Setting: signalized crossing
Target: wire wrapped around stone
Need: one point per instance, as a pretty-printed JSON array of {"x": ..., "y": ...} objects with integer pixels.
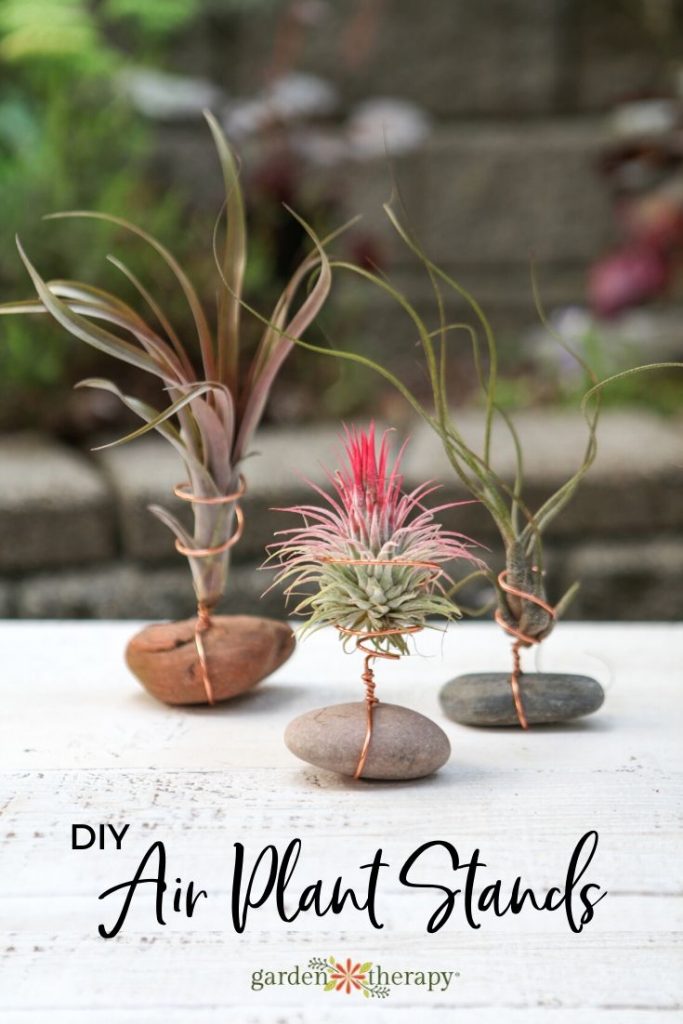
[
  {"x": 521, "y": 640},
  {"x": 204, "y": 621},
  {"x": 363, "y": 636}
]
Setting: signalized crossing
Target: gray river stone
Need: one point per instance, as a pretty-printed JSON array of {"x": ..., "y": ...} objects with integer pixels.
[
  {"x": 404, "y": 744},
  {"x": 485, "y": 698}
]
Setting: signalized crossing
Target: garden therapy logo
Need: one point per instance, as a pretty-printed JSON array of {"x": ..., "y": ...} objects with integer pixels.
[{"x": 350, "y": 976}]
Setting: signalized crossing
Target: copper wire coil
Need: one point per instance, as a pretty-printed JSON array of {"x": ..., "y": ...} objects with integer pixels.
[
  {"x": 362, "y": 636},
  {"x": 368, "y": 676},
  {"x": 203, "y": 610},
  {"x": 521, "y": 640},
  {"x": 202, "y": 625},
  {"x": 181, "y": 491},
  {"x": 218, "y": 549}
]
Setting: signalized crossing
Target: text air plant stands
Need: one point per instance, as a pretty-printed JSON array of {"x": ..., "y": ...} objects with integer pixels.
[
  {"x": 523, "y": 609},
  {"x": 210, "y": 422},
  {"x": 374, "y": 558}
]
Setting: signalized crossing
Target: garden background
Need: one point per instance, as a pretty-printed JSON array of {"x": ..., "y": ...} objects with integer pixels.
[{"x": 515, "y": 130}]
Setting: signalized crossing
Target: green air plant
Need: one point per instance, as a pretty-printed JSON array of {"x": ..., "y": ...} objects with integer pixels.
[
  {"x": 372, "y": 554},
  {"x": 522, "y": 609},
  {"x": 216, "y": 402},
  {"x": 374, "y": 559}
]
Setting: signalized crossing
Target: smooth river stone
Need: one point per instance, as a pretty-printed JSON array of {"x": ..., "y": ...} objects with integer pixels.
[
  {"x": 404, "y": 744},
  {"x": 241, "y": 650},
  {"x": 485, "y": 698}
]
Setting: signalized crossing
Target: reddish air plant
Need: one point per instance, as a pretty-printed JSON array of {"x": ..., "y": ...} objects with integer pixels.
[
  {"x": 375, "y": 556},
  {"x": 217, "y": 401},
  {"x": 371, "y": 499}
]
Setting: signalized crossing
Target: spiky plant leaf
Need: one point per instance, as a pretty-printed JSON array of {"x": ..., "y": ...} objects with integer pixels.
[
  {"x": 213, "y": 410},
  {"x": 372, "y": 556},
  {"x": 520, "y": 528}
]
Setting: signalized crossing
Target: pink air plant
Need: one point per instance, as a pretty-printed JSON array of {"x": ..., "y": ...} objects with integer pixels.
[
  {"x": 374, "y": 555},
  {"x": 217, "y": 397}
]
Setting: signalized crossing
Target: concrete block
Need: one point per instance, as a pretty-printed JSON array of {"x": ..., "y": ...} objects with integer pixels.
[
  {"x": 499, "y": 192},
  {"x": 629, "y": 579},
  {"x": 6, "y": 599},
  {"x": 620, "y": 50},
  {"x": 277, "y": 475},
  {"x": 55, "y": 507},
  {"x": 130, "y": 591},
  {"x": 635, "y": 484},
  {"x": 145, "y": 472},
  {"x": 140, "y": 474},
  {"x": 456, "y": 58},
  {"x": 492, "y": 193}
]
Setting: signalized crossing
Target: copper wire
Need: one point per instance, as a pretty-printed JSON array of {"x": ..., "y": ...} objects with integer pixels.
[
  {"x": 219, "y": 548},
  {"x": 204, "y": 621},
  {"x": 201, "y": 626},
  {"x": 362, "y": 636},
  {"x": 182, "y": 491},
  {"x": 521, "y": 640},
  {"x": 368, "y": 676}
]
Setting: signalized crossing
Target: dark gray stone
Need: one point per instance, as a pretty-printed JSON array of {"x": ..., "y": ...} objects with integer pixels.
[
  {"x": 404, "y": 744},
  {"x": 485, "y": 698}
]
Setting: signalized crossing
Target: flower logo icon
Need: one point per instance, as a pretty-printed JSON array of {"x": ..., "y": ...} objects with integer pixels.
[{"x": 348, "y": 977}]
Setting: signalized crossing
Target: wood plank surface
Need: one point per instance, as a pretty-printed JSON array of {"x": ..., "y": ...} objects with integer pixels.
[{"x": 81, "y": 742}]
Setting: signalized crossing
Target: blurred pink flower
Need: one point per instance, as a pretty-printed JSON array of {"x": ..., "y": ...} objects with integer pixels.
[{"x": 627, "y": 277}]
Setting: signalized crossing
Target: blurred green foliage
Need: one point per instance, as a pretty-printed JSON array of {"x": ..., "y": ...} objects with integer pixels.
[{"x": 69, "y": 139}]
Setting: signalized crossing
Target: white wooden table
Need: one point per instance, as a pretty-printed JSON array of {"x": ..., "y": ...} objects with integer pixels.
[{"x": 81, "y": 742}]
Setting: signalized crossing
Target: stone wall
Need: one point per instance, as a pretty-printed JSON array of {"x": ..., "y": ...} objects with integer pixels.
[
  {"x": 77, "y": 541},
  {"x": 458, "y": 58},
  {"x": 517, "y": 91}
]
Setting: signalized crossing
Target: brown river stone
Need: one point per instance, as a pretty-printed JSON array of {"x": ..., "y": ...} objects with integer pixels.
[
  {"x": 241, "y": 650},
  {"x": 404, "y": 744}
]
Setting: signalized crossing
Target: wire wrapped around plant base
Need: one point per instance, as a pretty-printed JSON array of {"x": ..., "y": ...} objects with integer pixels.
[
  {"x": 361, "y": 636},
  {"x": 368, "y": 677},
  {"x": 217, "y": 399},
  {"x": 204, "y": 620},
  {"x": 375, "y": 558},
  {"x": 523, "y": 609},
  {"x": 521, "y": 640}
]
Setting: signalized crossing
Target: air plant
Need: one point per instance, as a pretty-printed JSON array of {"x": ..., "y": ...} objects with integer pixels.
[
  {"x": 216, "y": 402},
  {"x": 522, "y": 606},
  {"x": 215, "y": 407},
  {"x": 373, "y": 555}
]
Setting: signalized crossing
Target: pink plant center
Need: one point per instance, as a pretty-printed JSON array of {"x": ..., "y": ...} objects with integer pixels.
[
  {"x": 370, "y": 498},
  {"x": 371, "y": 557}
]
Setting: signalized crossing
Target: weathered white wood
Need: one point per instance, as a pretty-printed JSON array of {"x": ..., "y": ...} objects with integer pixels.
[
  {"x": 547, "y": 1014},
  {"x": 80, "y": 741}
]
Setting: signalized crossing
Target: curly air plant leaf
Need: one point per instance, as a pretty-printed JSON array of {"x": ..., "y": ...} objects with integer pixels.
[
  {"x": 216, "y": 408},
  {"x": 528, "y": 616},
  {"x": 373, "y": 555}
]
